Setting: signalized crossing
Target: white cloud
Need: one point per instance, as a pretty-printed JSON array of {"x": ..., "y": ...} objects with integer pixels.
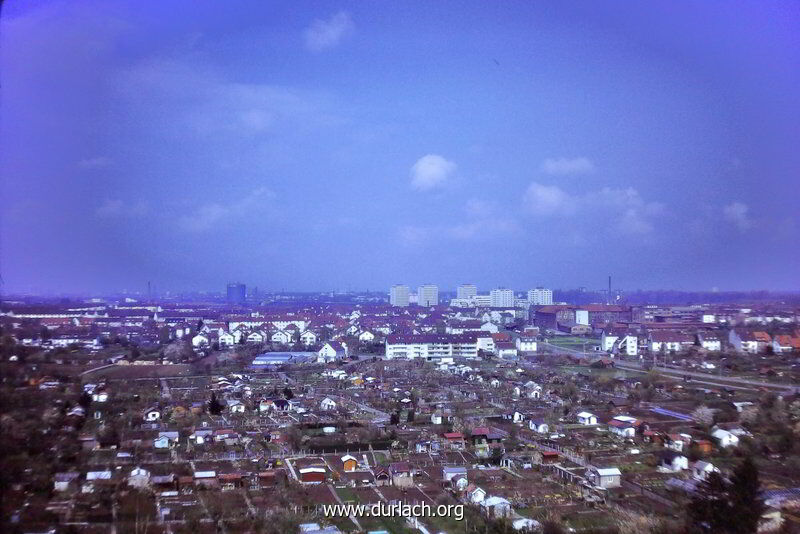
[
  {"x": 94, "y": 163},
  {"x": 411, "y": 235},
  {"x": 738, "y": 214},
  {"x": 324, "y": 34},
  {"x": 431, "y": 171},
  {"x": 625, "y": 209},
  {"x": 484, "y": 221},
  {"x": 565, "y": 166},
  {"x": 202, "y": 101},
  {"x": 548, "y": 200},
  {"x": 210, "y": 215},
  {"x": 118, "y": 208},
  {"x": 634, "y": 214}
]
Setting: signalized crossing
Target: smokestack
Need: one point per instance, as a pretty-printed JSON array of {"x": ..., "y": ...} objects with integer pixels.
[{"x": 609, "y": 289}]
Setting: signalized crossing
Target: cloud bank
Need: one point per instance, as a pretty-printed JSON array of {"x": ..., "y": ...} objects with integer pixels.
[
  {"x": 213, "y": 214},
  {"x": 628, "y": 212}
]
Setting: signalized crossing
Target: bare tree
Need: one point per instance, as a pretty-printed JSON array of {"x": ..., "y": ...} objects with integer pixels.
[{"x": 703, "y": 415}]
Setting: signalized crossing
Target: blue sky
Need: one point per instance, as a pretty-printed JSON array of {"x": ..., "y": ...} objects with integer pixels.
[{"x": 326, "y": 145}]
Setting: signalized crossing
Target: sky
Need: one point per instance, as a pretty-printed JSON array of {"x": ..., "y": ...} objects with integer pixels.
[{"x": 314, "y": 146}]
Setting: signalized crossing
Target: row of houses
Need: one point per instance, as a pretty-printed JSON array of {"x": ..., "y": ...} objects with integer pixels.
[{"x": 632, "y": 341}]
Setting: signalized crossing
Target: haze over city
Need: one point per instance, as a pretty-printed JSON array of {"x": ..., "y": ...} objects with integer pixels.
[{"x": 325, "y": 146}]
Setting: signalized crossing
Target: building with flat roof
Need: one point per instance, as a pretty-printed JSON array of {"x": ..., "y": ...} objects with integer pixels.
[
  {"x": 399, "y": 295},
  {"x": 466, "y": 291},
  {"x": 502, "y": 298},
  {"x": 427, "y": 346},
  {"x": 540, "y": 297},
  {"x": 428, "y": 295},
  {"x": 236, "y": 293}
]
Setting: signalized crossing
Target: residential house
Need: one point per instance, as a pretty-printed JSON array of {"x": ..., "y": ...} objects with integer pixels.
[
  {"x": 701, "y": 469},
  {"x": 710, "y": 341},
  {"x": 139, "y": 478},
  {"x": 256, "y": 337},
  {"x": 456, "y": 477},
  {"x": 673, "y": 461},
  {"x": 671, "y": 342},
  {"x": 539, "y": 426},
  {"x": 527, "y": 344},
  {"x": 281, "y": 337},
  {"x": 312, "y": 475},
  {"x": 619, "y": 341},
  {"x": 308, "y": 338},
  {"x": 327, "y": 404},
  {"x": 541, "y": 457},
  {"x": 506, "y": 350},
  {"x": 496, "y": 507},
  {"x": 402, "y": 475},
  {"x": 331, "y": 351},
  {"x": 724, "y": 438},
  {"x": 226, "y": 435},
  {"x": 586, "y": 418},
  {"x": 488, "y": 441},
  {"x": 533, "y": 390},
  {"x": 623, "y": 426},
  {"x": 455, "y": 441},
  {"x": 200, "y": 340},
  {"x": 349, "y": 463},
  {"x": 743, "y": 342},
  {"x": 605, "y": 477},
  {"x": 366, "y": 337},
  {"x": 475, "y": 494},
  {"x": 226, "y": 339}
]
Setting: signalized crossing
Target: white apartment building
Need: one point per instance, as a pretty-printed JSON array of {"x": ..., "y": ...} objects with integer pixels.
[
  {"x": 399, "y": 295},
  {"x": 431, "y": 346},
  {"x": 502, "y": 298},
  {"x": 428, "y": 295},
  {"x": 622, "y": 342},
  {"x": 540, "y": 297},
  {"x": 466, "y": 291},
  {"x": 527, "y": 344},
  {"x": 482, "y": 301}
]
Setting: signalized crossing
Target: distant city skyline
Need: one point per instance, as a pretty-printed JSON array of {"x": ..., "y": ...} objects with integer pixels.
[
  {"x": 321, "y": 146},
  {"x": 443, "y": 292}
]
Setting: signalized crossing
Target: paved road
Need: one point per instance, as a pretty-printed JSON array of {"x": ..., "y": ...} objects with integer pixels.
[{"x": 707, "y": 378}]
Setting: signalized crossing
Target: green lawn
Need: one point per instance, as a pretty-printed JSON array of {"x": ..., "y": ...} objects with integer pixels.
[
  {"x": 574, "y": 342},
  {"x": 347, "y": 495}
]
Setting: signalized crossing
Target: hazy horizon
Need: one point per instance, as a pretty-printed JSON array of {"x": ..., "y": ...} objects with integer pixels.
[
  {"x": 157, "y": 293},
  {"x": 326, "y": 146}
]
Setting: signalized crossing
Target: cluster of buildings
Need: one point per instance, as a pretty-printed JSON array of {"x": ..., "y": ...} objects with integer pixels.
[
  {"x": 378, "y": 403},
  {"x": 467, "y": 296}
]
